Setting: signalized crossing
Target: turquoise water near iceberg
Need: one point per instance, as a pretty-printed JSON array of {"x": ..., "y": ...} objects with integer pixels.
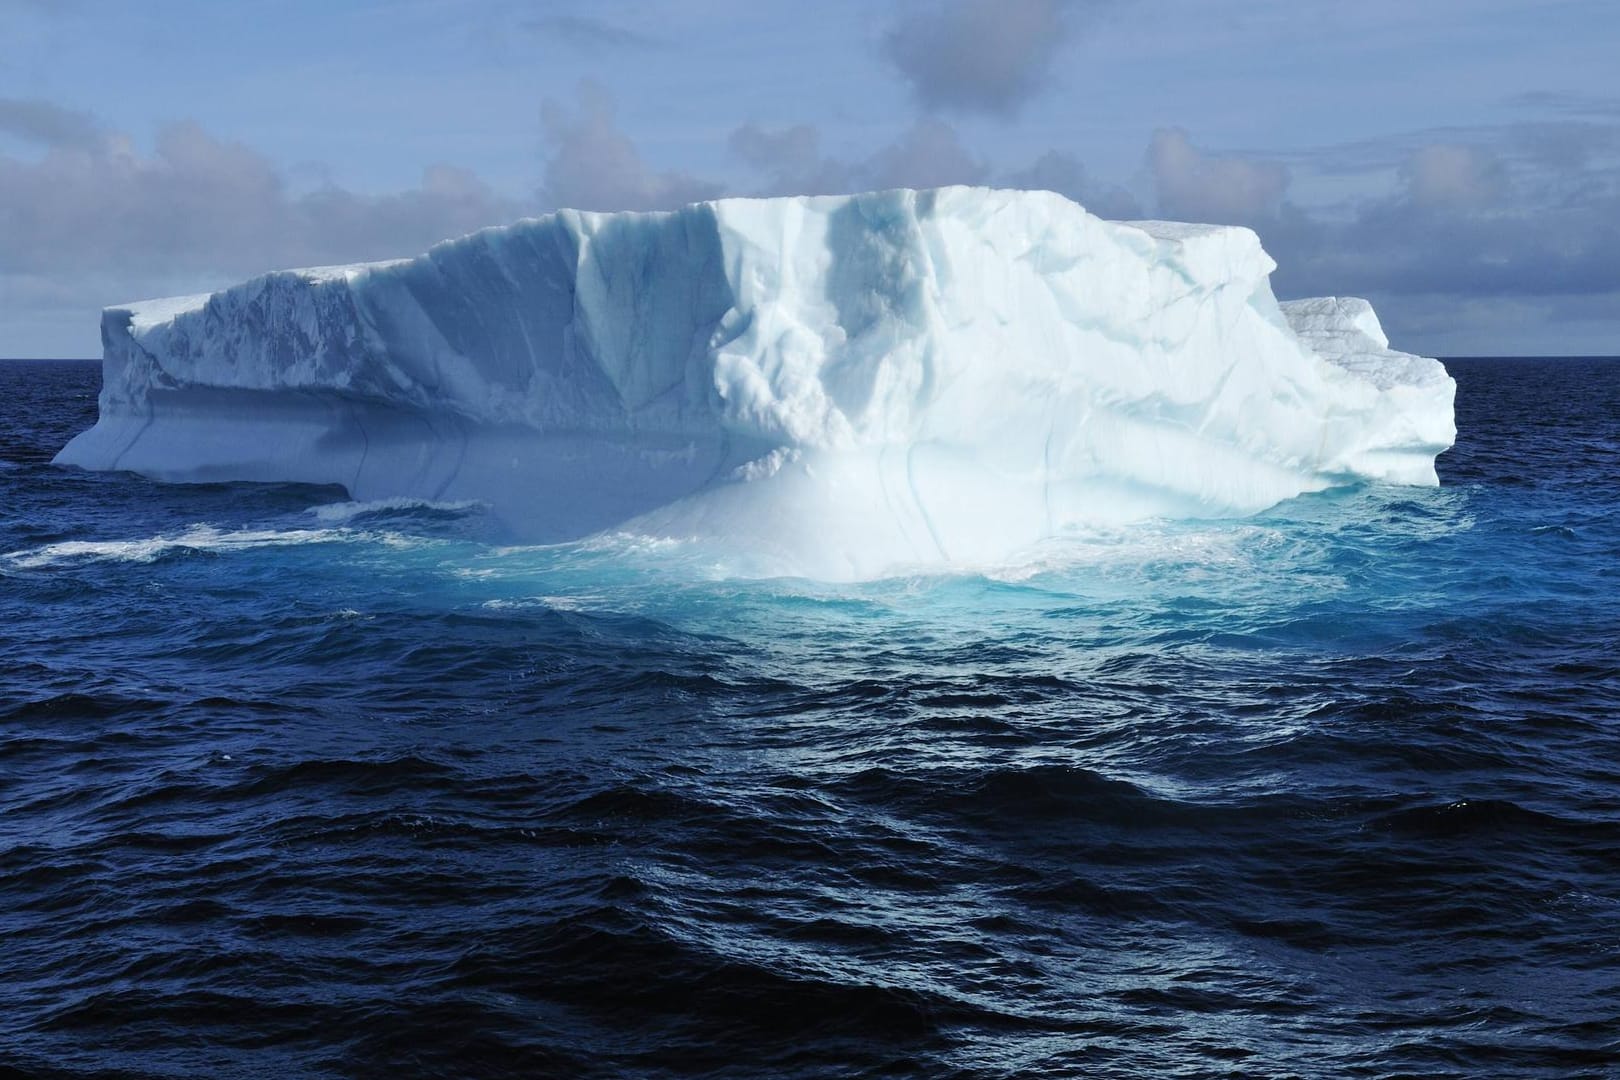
[{"x": 291, "y": 783}]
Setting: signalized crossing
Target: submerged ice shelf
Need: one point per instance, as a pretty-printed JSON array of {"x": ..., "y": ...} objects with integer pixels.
[{"x": 831, "y": 386}]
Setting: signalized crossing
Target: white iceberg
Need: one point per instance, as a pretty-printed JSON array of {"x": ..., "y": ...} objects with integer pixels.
[{"x": 835, "y": 386}]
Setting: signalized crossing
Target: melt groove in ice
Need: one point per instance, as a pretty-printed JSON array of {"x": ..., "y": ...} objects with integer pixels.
[{"x": 833, "y": 386}]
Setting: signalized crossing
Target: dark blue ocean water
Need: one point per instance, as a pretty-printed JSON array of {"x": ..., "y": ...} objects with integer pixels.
[{"x": 294, "y": 787}]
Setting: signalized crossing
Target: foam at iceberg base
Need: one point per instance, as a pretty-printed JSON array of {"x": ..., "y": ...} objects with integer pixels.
[{"x": 834, "y": 387}]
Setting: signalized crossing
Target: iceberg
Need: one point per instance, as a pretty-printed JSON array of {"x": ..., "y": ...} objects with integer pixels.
[{"x": 836, "y": 387}]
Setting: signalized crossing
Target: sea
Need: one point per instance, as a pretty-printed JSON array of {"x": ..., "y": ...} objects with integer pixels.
[{"x": 294, "y": 786}]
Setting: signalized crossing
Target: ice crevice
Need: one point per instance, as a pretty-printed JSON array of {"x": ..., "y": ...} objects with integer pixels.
[{"x": 838, "y": 386}]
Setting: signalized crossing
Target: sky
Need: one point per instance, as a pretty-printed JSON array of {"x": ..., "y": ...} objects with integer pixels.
[{"x": 1455, "y": 161}]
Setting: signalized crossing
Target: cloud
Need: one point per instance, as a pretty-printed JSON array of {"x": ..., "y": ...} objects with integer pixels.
[
  {"x": 792, "y": 160},
  {"x": 1195, "y": 186},
  {"x": 592, "y": 165},
  {"x": 1452, "y": 175},
  {"x": 1412, "y": 243},
  {"x": 1064, "y": 174},
  {"x": 978, "y": 55},
  {"x": 96, "y": 220},
  {"x": 1492, "y": 212},
  {"x": 1452, "y": 224},
  {"x": 589, "y": 33},
  {"x": 1454, "y": 245},
  {"x": 928, "y": 154},
  {"x": 47, "y": 123},
  {"x": 198, "y": 204}
]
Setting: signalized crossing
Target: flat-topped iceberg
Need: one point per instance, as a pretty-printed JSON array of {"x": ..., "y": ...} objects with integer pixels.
[{"x": 834, "y": 386}]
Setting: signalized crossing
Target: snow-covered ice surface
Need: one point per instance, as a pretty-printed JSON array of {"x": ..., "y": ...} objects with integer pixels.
[{"x": 834, "y": 387}]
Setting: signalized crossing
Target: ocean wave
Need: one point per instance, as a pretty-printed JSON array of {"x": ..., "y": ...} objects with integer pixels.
[{"x": 349, "y": 511}]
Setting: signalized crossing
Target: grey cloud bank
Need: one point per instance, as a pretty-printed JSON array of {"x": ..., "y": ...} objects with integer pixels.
[{"x": 92, "y": 218}]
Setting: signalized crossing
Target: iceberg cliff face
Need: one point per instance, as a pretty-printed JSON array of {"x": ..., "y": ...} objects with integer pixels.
[{"x": 837, "y": 386}]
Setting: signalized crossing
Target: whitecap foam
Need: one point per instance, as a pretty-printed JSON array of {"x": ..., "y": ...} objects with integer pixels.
[
  {"x": 582, "y": 602},
  {"x": 197, "y": 538}
]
